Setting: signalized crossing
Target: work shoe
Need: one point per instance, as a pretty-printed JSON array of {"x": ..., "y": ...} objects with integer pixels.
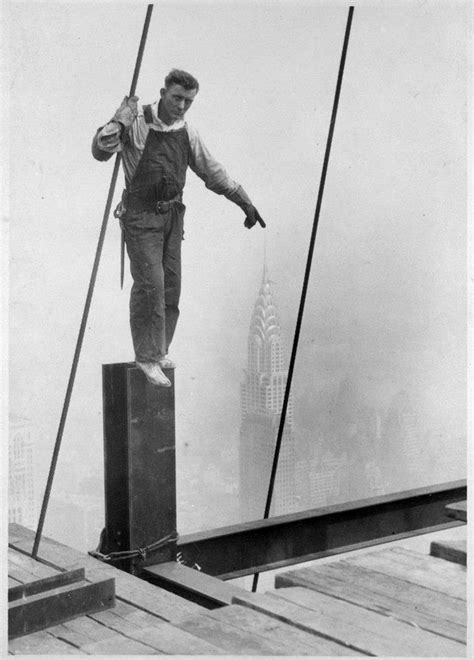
[
  {"x": 152, "y": 371},
  {"x": 166, "y": 363}
]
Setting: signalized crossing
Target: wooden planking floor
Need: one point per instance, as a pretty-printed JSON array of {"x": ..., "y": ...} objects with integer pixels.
[
  {"x": 406, "y": 602},
  {"x": 242, "y": 631},
  {"x": 413, "y": 567},
  {"x": 393, "y": 597},
  {"x": 390, "y": 602}
]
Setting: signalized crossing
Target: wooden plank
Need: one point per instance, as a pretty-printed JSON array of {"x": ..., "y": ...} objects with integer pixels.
[
  {"x": 188, "y": 580},
  {"x": 301, "y": 642},
  {"x": 119, "y": 646},
  {"x": 41, "y": 643},
  {"x": 168, "y": 639},
  {"x": 126, "y": 620},
  {"x": 422, "y": 598},
  {"x": 128, "y": 588},
  {"x": 126, "y": 617},
  {"x": 114, "y": 621},
  {"x": 36, "y": 568},
  {"x": 453, "y": 550},
  {"x": 156, "y": 601},
  {"x": 13, "y": 583},
  {"x": 230, "y": 638},
  {"x": 388, "y": 596},
  {"x": 409, "y": 557},
  {"x": 48, "y": 608},
  {"x": 51, "y": 582},
  {"x": 74, "y": 637},
  {"x": 143, "y": 619},
  {"x": 349, "y": 625},
  {"x": 121, "y": 609},
  {"x": 144, "y": 627},
  {"x": 410, "y": 640},
  {"x": 427, "y": 573},
  {"x": 458, "y": 510},
  {"x": 20, "y": 575},
  {"x": 85, "y": 626}
]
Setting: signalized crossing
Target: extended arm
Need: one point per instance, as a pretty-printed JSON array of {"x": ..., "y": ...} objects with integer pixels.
[{"x": 216, "y": 178}]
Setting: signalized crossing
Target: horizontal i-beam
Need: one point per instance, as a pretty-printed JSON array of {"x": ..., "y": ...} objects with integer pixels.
[{"x": 231, "y": 552}]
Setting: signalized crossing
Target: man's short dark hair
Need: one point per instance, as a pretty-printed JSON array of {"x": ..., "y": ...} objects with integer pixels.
[{"x": 183, "y": 78}]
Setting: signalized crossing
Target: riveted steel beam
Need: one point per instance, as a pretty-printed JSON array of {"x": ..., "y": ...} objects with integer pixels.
[{"x": 243, "y": 549}]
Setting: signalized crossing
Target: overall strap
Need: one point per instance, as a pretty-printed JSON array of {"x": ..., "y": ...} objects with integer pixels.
[{"x": 148, "y": 114}]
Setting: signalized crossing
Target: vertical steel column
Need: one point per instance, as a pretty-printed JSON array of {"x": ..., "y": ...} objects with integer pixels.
[{"x": 140, "y": 464}]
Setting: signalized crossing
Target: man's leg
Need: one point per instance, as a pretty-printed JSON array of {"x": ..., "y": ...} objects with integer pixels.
[
  {"x": 144, "y": 238},
  {"x": 173, "y": 237}
]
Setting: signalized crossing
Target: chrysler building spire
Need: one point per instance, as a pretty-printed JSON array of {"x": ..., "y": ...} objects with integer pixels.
[{"x": 262, "y": 393}]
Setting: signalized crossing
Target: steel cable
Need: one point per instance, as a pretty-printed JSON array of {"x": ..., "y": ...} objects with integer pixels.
[
  {"x": 87, "y": 305},
  {"x": 306, "y": 276}
]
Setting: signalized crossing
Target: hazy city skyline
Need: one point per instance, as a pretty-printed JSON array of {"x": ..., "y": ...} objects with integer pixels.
[{"x": 353, "y": 451}]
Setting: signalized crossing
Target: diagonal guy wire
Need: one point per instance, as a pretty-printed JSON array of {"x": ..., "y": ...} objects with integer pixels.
[
  {"x": 306, "y": 275},
  {"x": 87, "y": 305}
]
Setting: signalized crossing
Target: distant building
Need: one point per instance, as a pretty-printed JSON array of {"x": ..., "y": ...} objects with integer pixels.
[
  {"x": 325, "y": 479},
  {"x": 262, "y": 394},
  {"x": 375, "y": 480},
  {"x": 21, "y": 487},
  {"x": 403, "y": 445}
]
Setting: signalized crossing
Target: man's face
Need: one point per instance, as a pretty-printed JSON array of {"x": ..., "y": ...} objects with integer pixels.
[{"x": 175, "y": 102}]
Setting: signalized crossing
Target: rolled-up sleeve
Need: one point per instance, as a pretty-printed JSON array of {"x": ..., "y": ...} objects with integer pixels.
[
  {"x": 107, "y": 141},
  {"x": 212, "y": 172}
]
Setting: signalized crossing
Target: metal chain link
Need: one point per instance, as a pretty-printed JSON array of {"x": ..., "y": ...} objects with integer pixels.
[{"x": 142, "y": 553}]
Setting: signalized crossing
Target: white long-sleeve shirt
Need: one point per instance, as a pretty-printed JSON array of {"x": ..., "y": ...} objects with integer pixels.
[{"x": 109, "y": 139}]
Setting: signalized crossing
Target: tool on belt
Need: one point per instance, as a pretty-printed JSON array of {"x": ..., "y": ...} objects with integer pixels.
[{"x": 119, "y": 212}]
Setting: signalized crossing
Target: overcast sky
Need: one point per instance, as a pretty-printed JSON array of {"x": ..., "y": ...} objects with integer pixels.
[{"x": 386, "y": 303}]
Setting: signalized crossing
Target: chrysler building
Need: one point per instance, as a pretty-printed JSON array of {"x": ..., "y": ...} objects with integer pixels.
[{"x": 262, "y": 394}]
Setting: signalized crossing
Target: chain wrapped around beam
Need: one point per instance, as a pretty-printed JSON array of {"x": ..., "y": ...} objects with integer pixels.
[{"x": 141, "y": 553}]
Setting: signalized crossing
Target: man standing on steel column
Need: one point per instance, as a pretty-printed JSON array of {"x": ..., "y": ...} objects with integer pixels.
[{"x": 157, "y": 146}]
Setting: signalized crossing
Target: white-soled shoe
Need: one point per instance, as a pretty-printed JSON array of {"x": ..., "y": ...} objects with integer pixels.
[
  {"x": 154, "y": 374},
  {"x": 166, "y": 363}
]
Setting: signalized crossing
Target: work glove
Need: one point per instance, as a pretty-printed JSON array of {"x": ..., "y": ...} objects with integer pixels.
[
  {"x": 127, "y": 111},
  {"x": 252, "y": 216}
]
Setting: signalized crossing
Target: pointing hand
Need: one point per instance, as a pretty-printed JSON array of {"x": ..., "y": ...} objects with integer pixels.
[{"x": 252, "y": 217}]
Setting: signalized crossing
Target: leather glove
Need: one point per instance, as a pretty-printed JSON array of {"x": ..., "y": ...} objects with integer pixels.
[
  {"x": 127, "y": 111},
  {"x": 252, "y": 217}
]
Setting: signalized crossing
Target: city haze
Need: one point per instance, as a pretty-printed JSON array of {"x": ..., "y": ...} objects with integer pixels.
[{"x": 386, "y": 306}]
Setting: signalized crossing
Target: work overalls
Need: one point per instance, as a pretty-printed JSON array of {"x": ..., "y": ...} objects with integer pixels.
[{"x": 153, "y": 231}]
